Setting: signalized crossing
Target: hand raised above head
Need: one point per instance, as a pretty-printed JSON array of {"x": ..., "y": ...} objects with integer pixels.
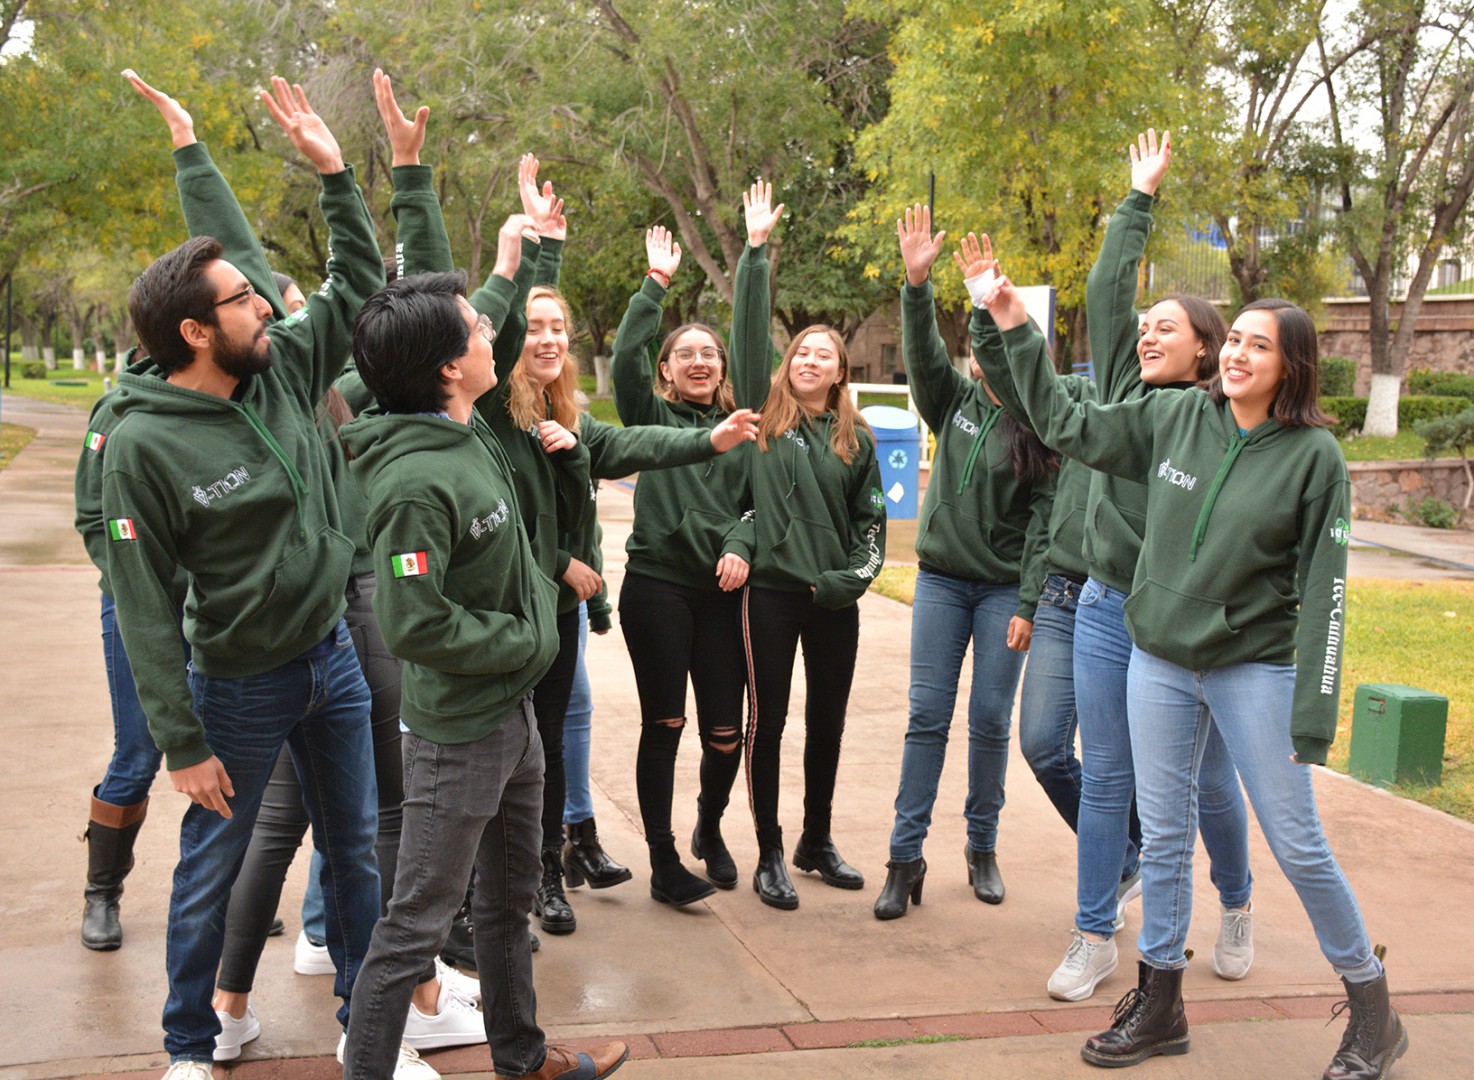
[
  {"x": 1149, "y": 161},
  {"x": 662, "y": 251},
  {"x": 181, "y": 125},
  {"x": 290, "y": 108},
  {"x": 540, "y": 204},
  {"x": 405, "y": 137},
  {"x": 919, "y": 249},
  {"x": 760, "y": 213},
  {"x": 979, "y": 268},
  {"x": 509, "y": 245}
]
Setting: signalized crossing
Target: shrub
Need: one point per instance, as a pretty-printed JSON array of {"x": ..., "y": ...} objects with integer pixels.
[
  {"x": 1338, "y": 377},
  {"x": 1440, "y": 383},
  {"x": 1351, "y": 412},
  {"x": 1434, "y": 513},
  {"x": 33, "y": 369}
]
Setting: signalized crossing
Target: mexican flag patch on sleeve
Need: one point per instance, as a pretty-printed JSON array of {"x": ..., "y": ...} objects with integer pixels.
[
  {"x": 410, "y": 564},
  {"x": 122, "y": 529},
  {"x": 95, "y": 439}
]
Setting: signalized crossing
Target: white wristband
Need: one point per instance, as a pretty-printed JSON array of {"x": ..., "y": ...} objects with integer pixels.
[{"x": 981, "y": 288}]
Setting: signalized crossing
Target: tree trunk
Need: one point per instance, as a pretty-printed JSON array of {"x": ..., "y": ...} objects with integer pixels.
[{"x": 1382, "y": 405}]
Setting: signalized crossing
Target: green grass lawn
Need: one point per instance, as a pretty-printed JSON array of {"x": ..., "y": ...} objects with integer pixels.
[
  {"x": 42, "y": 389},
  {"x": 13, "y": 439},
  {"x": 1405, "y": 445},
  {"x": 1416, "y": 633}
]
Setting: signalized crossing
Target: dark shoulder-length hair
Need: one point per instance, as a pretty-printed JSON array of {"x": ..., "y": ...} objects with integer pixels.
[
  {"x": 1207, "y": 324},
  {"x": 1297, "y": 403}
]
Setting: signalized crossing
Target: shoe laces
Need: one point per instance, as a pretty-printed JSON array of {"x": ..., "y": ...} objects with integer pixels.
[
  {"x": 1077, "y": 956},
  {"x": 1128, "y": 1004},
  {"x": 1236, "y": 925},
  {"x": 1361, "y": 1033}
]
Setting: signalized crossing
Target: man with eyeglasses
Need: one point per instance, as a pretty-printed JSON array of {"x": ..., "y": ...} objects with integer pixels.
[{"x": 215, "y": 466}]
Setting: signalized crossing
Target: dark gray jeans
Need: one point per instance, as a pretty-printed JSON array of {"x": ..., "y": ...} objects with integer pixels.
[{"x": 465, "y": 804}]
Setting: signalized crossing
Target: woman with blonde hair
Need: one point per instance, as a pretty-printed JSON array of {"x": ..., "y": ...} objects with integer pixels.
[{"x": 819, "y": 517}]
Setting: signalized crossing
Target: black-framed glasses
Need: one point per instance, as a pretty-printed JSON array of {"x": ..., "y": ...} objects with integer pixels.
[
  {"x": 485, "y": 329},
  {"x": 249, "y": 290}
]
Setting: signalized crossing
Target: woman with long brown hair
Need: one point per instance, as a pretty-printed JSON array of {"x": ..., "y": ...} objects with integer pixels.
[{"x": 820, "y": 540}]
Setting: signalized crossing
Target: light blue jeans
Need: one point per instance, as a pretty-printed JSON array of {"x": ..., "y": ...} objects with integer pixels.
[
  {"x": 1105, "y": 852},
  {"x": 1173, "y": 711},
  {"x": 578, "y": 737},
  {"x": 946, "y": 614},
  {"x": 1046, "y": 715}
]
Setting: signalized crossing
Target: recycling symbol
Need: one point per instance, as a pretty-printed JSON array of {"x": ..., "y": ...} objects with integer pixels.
[{"x": 898, "y": 459}]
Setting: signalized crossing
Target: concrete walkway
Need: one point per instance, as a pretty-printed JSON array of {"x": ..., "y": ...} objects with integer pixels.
[{"x": 727, "y": 987}]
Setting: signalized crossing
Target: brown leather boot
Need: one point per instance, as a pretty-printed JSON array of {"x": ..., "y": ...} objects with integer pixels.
[
  {"x": 1374, "y": 1037},
  {"x": 1149, "y": 1020},
  {"x": 564, "y": 1063}
]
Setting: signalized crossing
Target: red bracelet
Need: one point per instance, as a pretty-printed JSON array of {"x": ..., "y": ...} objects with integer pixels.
[{"x": 660, "y": 274}]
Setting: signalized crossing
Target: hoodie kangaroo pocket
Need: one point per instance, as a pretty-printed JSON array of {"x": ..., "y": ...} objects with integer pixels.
[
  {"x": 699, "y": 538},
  {"x": 1175, "y": 626},
  {"x": 297, "y": 597},
  {"x": 807, "y": 549}
]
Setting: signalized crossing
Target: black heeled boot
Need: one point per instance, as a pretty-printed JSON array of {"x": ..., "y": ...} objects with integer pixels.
[
  {"x": 771, "y": 882},
  {"x": 1149, "y": 1020},
  {"x": 707, "y": 844},
  {"x": 821, "y": 856},
  {"x": 903, "y": 881},
  {"x": 110, "y": 835},
  {"x": 983, "y": 876},
  {"x": 584, "y": 859},
  {"x": 670, "y": 882},
  {"x": 1374, "y": 1037},
  {"x": 550, "y": 904}
]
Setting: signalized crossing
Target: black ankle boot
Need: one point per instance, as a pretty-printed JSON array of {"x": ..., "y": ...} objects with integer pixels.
[
  {"x": 1149, "y": 1020},
  {"x": 670, "y": 882},
  {"x": 584, "y": 859},
  {"x": 820, "y": 856},
  {"x": 1374, "y": 1038},
  {"x": 983, "y": 876},
  {"x": 550, "y": 904},
  {"x": 110, "y": 837},
  {"x": 903, "y": 881},
  {"x": 707, "y": 844},
  {"x": 459, "y": 950},
  {"x": 771, "y": 882}
]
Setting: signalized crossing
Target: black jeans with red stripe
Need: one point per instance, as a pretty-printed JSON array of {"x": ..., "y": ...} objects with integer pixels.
[{"x": 774, "y": 624}]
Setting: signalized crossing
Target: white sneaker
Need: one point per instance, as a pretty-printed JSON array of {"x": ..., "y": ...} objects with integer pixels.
[
  {"x": 458, "y": 983},
  {"x": 1086, "y": 962},
  {"x": 1128, "y": 890},
  {"x": 409, "y": 1067},
  {"x": 311, "y": 959},
  {"x": 455, "y": 1023},
  {"x": 189, "y": 1070},
  {"x": 1233, "y": 952},
  {"x": 235, "y": 1033}
]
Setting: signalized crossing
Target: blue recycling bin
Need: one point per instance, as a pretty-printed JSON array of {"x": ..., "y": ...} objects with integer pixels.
[{"x": 898, "y": 445}]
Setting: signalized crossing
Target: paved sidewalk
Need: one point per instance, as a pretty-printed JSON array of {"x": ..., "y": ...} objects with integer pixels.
[{"x": 729, "y": 986}]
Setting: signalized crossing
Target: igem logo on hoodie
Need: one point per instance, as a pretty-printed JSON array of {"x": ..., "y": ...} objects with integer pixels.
[
  {"x": 222, "y": 487},
  {"x": 1341, "y": 531}
]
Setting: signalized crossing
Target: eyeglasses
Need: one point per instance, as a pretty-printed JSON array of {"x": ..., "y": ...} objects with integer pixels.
[
  {"x": 248, "y": 291},
  {"x": 687, "y": 355},
  {"x": 485, "y": 329}
]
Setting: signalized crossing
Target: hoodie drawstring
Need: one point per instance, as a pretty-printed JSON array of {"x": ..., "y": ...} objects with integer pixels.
[
  {"x": 299, "y": 486},
  {"x": 1200, "y": 530},
  {"x": 977, "y": 447}
]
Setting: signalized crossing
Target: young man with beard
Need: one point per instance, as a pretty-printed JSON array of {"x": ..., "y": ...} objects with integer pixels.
[{"x": 215, "y": 466}]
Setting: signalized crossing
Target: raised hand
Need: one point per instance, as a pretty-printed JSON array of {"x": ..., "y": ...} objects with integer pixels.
[
  {"x": 758, "y": 210},
  {"x": 1148, "y": 161},
  {"x": 405, "y": 138},
  {"x": 1007, "y": 306},
  {"x": 181, "y": 126},
  {"x": 919, "y": 249},
  {"x": 509, "y": 245},
  {"x": 979, "y": 268},
  {"x": 289, "y": 107},
  {"x": 541, "y": 205},
  {"x": 663, "y": 252},
  {"x": 735, "y": 430}
]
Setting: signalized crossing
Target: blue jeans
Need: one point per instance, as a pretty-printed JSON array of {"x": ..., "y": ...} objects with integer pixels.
[
  {"x": 318, "y": 705},
  {"x": 465, "y": 804},
  {"x": 578, "y": 801},
  {"x": 945, "y": 614},
  {"x": 1046, "y": 723},
  {"x": 135, "y": 761},
  {"x": 1105, "y": 849},
  {"x": 1173, "y": 710}
]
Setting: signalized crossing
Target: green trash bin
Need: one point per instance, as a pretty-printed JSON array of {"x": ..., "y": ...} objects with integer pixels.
[{"x": 1397, "y": 734}]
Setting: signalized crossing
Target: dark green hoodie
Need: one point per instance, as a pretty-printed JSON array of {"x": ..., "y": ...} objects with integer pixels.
[
  {"x": 820, "y": 523},
  {"x": 1244, "y": 557},
  {"x": 979, "y": 521},
  {"x": 687, "y": 518},
  {"x": 236, "y": 492},
  {"x": 460, "y": 597}
]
